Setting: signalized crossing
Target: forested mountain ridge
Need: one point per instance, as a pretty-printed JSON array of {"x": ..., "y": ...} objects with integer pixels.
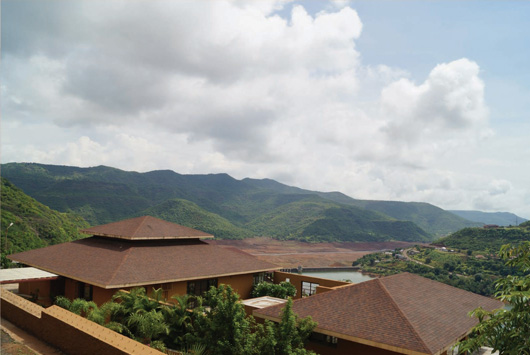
[
  {"x": 499, "y": 218},
  {"x": 34, "y": 224},
  {"x": 246, "y": 207}
]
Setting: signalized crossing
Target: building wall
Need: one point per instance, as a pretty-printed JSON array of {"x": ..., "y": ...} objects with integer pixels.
[
  {"x": 102, "y": 295},
  {"x": 70, "y": 289},
  {"x": 345, "y": 347},
  {"x": 242, "y": 284},
  {"x": 38, "y": 289},
  {"x": 297, "y": 279}
]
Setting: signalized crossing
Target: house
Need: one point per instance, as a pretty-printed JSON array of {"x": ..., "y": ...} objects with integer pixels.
[
  {"x": 399, "y": 314},
  {"x": 143, "y": 251}
]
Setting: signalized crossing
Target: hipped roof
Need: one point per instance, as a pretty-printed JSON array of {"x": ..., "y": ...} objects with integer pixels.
[
  {"x": 145, "y": 228},
  {"x": 405, "y": 313},
  {"x": 114, "y": 263},
  {"x": 141, "y": 251}
]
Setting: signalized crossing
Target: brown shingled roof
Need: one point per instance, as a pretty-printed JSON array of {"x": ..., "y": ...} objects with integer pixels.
[
  {"x": 114, "y": 263},
  {"x": 143, "y": 228},
  {"x": 405, "y": 313}
]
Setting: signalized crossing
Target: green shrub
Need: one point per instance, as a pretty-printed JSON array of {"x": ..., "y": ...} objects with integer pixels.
[{"x": 282, "y": 290}]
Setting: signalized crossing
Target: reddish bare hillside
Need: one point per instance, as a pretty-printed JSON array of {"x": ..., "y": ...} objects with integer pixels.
[{"x": 294, "y": 253}]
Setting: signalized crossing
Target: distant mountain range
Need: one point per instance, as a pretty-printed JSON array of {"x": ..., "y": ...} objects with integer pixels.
[
  {"x": 229, "y": 208},
  {"x": 498, "y": 218}
]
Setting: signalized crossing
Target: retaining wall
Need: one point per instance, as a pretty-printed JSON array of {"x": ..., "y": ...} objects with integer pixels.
[{"x": 67, "y": 331}]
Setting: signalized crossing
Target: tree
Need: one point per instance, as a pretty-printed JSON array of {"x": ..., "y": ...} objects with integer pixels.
[
  {"x": 506, "y": 330},
  {"x": 181, "y": 318},
  {"x": 292, "y": 332},
  {"x": 225, "y": 328}
]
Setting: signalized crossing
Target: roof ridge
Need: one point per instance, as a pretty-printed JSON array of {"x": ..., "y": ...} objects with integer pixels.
[
  {"x": 139, "y": 225},
  {"x": 409, "y": 324},
  {"x": 111, "y": 278}
]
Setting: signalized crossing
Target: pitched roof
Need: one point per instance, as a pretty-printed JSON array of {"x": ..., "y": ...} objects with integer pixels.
[
  {"x": 404, "y": 313},
  {"x": 144, "y": 228},
  {"x": 114, "y": 263}
]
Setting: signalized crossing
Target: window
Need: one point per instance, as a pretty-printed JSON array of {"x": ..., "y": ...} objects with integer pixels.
[
  {"x": 309, "y": 288},
  {"x": 84, "y": 291},
  {"x": 324, "y": 339},
  {"x": 259, "y": 277},
  {"x": 199, "y": 287},
  {"x": 165, "y": 289}
]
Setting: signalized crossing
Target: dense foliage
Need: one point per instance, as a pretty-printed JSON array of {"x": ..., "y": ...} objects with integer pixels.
[
  {"x": 189, "y": 214},
  {"x": 475, "y": 273},
  {"x": 470, "y": 260},
  {"x": 34, "y": 224},
  {"x": 230, "y": 207},
  {"x": 487, "y": 240},
  {"x": 506, "y": 330},
  {"x": 221, "y": 328},
  {"x": 282, "y": 290}
]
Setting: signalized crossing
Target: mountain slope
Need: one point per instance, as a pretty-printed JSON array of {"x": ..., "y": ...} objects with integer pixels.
[
  {"x": 498, "y": 218},
  {"x": 430, "y": 218},
  {"x": 315, "y": 219},
  {"x": 190, "y": 215},
  {"x": 486, "y": 239},
  {"x": 103, "y": 194},
  {"x": 34, "y": 224}
]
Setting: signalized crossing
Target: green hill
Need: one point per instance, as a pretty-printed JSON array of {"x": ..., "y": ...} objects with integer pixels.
[
  {"x": 431, "y": 219},
  {"x": 254, "y": 207},
  {"x": 486, "y": 239},
  {"x": 317, "y": 220},
  {"x": 499, "y": 218},
  {"x": 34, "y": 224},
  {"x": 190, "y": 215}
]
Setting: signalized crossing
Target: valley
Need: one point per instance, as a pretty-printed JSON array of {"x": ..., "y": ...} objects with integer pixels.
[{"x": 291, "y": 253}]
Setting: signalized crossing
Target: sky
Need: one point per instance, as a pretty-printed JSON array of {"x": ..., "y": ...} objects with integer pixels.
[{"x": 388, "y": 100}]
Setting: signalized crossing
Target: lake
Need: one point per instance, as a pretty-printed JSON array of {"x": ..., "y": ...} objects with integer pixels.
[{"x": 352, "y": 276}]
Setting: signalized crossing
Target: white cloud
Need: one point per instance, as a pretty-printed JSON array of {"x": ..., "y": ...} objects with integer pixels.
[{"x": 233, "y": 87}]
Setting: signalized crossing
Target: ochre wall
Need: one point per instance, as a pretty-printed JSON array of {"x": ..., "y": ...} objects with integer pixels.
[
  {"x": 67, "y": 331},
  {"x": 345, "y": 347},
  {"x": 70, "y": 289},
  {"x": 102, "y": 295},
  {"x": 296, "y": 280},
  {"x": 242, "y": 284},
  {"x": 40, "y": 288}
]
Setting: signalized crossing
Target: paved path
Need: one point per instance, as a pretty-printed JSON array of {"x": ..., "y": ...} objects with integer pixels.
[{"x": 406, "y": 255}]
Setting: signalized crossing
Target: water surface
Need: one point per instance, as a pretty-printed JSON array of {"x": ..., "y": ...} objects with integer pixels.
[{"x": 347, "y": 275}]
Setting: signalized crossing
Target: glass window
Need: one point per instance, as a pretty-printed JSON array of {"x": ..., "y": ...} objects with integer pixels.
[
  {"x": 259, "y": 277},
  {"x": 199, "y": 287},
  {"x": 84, "y": 291},
  {"x": 309, "y": 288}
]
